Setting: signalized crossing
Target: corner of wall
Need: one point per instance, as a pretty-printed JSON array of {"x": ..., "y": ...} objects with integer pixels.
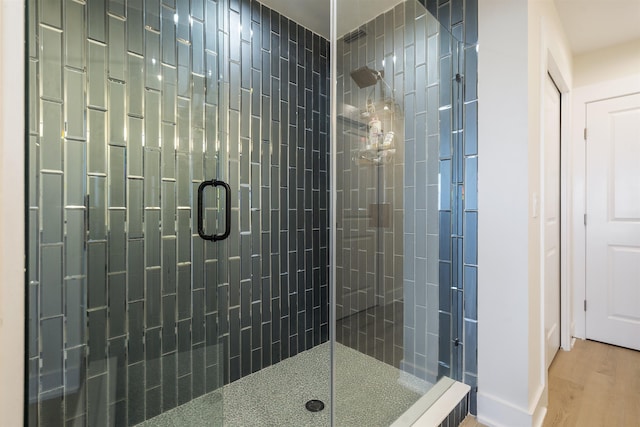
[
  {"x": 504, "y": 226},
  {"x": 535, "y": 34}
]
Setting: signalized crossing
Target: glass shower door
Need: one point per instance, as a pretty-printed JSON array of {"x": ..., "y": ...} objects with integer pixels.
[
  {"x": 158, "y": 127},
  {"x": 123, "y": 293},
  {"x": 272, "y": 116},
  {"x": 137, "y": 310}
]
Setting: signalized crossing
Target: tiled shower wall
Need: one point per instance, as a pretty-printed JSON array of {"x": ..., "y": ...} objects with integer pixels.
[
  {"x": 399, "y": 258},
  {"x": 392, "y": 261},
  {"x": 430, "y": 245},
  {"x": 421, "y": 61},
  {"x": 458, "y": 322},
  {"x": 369, "y": 207},
  {"x": 131, "y": 105},
  {"x": 427, "y": 147}
]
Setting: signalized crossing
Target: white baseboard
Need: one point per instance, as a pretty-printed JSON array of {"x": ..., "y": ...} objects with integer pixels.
[{"x": 496, "y": 412}]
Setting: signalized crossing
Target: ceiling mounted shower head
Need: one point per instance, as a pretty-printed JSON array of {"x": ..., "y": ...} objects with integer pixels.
[{"x": 365, "y": 76}]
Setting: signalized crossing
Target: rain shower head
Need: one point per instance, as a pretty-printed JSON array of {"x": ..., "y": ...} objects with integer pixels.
[{"x": 365, "y": 76}]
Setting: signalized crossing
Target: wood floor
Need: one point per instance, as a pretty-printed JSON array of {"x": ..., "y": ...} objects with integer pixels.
[{"x": 592, "y": 385}]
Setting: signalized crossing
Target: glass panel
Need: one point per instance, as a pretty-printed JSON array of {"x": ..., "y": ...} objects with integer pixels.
[
  {"x": 273, "y": 269},
  {"x": 111, "y": 210},
  {"x": 132, "y": 315},
  {"x": 396, "y": 292},
  {"x": 134, "y": 318}
]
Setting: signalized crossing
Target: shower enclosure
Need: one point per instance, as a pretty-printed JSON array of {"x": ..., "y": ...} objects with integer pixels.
[{"x": 215, "y": 237}]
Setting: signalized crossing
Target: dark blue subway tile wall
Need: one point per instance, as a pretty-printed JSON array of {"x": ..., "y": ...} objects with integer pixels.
[
  {"x": 387, "y": 273},
  {"x": 373, "y": 212},
  {"x": 132, "y": 105},
  {"x": 458, "y": 254},
  {"x": 421, "y": 194}
]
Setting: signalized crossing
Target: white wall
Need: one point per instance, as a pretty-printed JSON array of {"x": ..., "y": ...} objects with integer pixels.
[
  {"x": 549, "y": 52},
  {"x": 601, "y": 74},
  {"x": 607, "y": 64},
  {"x": 517, "y": 39},
  {"x": 12, "y": 287},
  {"x": 503, "y": 355}
]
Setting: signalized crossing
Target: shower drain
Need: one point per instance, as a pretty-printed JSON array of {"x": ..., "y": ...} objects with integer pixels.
[{"x": 314, "y": 405}]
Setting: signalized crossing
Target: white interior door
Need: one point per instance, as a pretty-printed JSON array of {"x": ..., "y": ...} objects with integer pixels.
[
  {"x": 613, "y": 221},
  {"x": 552, "y": 219}
]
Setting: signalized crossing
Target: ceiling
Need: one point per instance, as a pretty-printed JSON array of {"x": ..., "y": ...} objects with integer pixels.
[
  {"x": 314, "y": 14},
  {"x": 596, "y": 24}
]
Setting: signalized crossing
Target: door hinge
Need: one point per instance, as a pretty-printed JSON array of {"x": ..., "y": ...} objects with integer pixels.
[
  {"x": 585, "y": 134},
  {"x": 585, "y": 305},
  {"x": 585, "y": 220}
]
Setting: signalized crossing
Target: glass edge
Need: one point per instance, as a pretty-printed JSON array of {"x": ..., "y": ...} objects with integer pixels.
[
  {"x": 333, "y": 51},
  {"x": 25, "y": 349}
]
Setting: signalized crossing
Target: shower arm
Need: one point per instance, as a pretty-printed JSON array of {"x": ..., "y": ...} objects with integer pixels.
[
  {"x": 379, "y": 75},
  {"x": 382, "y": 90}
]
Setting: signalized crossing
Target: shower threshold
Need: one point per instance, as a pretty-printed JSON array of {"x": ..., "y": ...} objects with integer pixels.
[{"x": 369, "y": 393}]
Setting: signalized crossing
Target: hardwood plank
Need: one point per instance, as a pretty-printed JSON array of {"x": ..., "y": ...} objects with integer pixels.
[
  {"x": 470, "y": 421},
  {"x": 565, "y": 397},
  {"x": 597, "y": 398},
  {"x": 592, "y": 385},
  {"x": 595, "y": 384}
]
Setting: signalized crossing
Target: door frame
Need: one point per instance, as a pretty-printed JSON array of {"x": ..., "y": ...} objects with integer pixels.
[
  {"x": 583, "y": 96},
  {"x": 551, "y": 67},
  {"x": 561, "y": 208}
]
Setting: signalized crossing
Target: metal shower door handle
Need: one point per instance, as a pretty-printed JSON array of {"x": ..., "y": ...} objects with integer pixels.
[{"x": 227, "y": 210}]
